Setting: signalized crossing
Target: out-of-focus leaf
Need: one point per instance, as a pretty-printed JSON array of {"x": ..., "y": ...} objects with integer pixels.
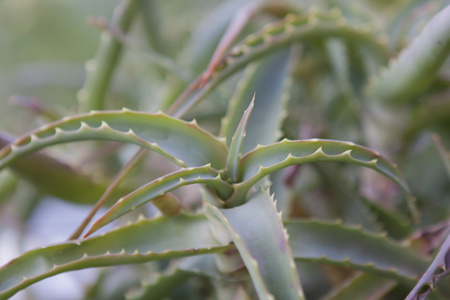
[
  {"x": 266, "y": 81},
  {"x": 403, "y": 80},
  {"x": 439, "y": 268},
  {"x": 352, "y": 247},
  {"x": 53, "y": 177}
]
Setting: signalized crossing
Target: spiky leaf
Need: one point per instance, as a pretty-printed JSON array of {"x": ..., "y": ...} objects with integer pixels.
[
  {"x": 146, "y": 240},
  {"x": 182, "y": 142},
  {"x": 352, "y": 247},
  {"x": 261, "y": 239},
  {"x": 265, "y": 160},
  {"x": 159, "y": 187},
  {"x": 417, "y": 65}
]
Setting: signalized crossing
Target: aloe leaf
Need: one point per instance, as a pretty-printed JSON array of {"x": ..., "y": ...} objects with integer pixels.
[
  {"x": 234, "y": 154},
  {"x": 315, "y": 241},
  {"x": 161, "y": 186},
  {"x": 404, "y": 78},
  {"x": 163, "y": 284},
  {"x": 394, "y": 223},
  {"x": 439, "y": 268},
  {"x": 269, "y": 101},
  {"x": 53, "y": 177},
  {"x": 101, "y": 68},
  {"x": 146, "y": 240},
  {"x": 364, "y": 286},
  {"x": 445, "y": 155},
  {"x": 182, "y": 142},
  {"x": 160, "y": 286},
  {"x": 293, "y": 29},
  {"x": 264, "y": 160},
  {"x": 257, "y": 232}
]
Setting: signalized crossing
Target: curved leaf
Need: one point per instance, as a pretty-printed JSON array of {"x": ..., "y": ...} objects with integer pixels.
[
  {"x": 159, "y": 187},
  {"x": 163, "y": 284},
  {"x": 146, "y": 240},
  {"x": 182, "y": 142},
  {"x": 264, "y": 160},
  {"x": 315, "y": 241},
  {"x": 364, "y": 286},
  {"x": 416, "y": 67},
  {"x": 257, "y": 232},
  {"x": 53, "y": 177},
  {"x": 292, "y": 29}
]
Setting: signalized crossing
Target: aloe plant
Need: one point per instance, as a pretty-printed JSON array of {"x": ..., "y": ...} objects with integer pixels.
[{"x": 287, "y": 136}]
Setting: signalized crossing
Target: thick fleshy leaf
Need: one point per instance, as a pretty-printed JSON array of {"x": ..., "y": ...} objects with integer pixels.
[
  {"x": 364, "y": 286},
  {"x": 146, "y": 240},
  {"x": 315, "y": 241},
  {"x": 292, "y": 29},
  {"x": 403, "y": 79},
  {"x": 258, "y": 233},
  {"x": 162, "y": 185},
  {"x": 234, "y": 154},
  {"x": 184, "y": 143},
  {"x": 160, "y": 286},
  {"x": 53, "y": 177},
  {"x": 265, "y": 160},
  {"x": 268, "y": 112}
]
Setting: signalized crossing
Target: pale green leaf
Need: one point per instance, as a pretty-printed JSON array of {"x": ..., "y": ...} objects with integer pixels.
[
  {"x": 146, "y": 240},
  {"x": 182, "y": 142},
  {"x": 160, "y": 186},
  {"x": 257, "y": 232}
]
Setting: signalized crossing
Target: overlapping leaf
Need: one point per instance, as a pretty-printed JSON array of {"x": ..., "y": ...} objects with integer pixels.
[
  {"x": 182, "y": 142},
  {"x": 163, "y": 185},
  {"x": 261, "y": 239},
  {"x": 146, "y": 240},
  {"x": 264, "y": 160}
]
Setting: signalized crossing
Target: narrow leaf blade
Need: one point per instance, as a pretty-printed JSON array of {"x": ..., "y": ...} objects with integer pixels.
[
  {"x": 234, "y": 154},
  {"x": 161, "y": 186}
]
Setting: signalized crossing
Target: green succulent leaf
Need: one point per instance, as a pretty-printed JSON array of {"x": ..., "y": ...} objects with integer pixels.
[
  {"x": 265, "y": 160},
  {"x": 258, "y": 233},
  {"x": 53, "y": 177},
  {"x": 182, "y": 142},
  {"x": 404, "y": 78},
  {"x": 270, "y": 101},
  {"x": 234, "y": 154},
  {"x": 146, "y": 240},
  {"x": 290, "y": 30},
  {"x": 160, "y": 286},
  {"x": 353, "y": 247},
  {"x": 364, "y": 286},
  {"x": 200, "y": 175}
]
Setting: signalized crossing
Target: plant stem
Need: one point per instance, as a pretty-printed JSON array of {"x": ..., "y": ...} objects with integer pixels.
[{"x": 101, "y": 68}]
